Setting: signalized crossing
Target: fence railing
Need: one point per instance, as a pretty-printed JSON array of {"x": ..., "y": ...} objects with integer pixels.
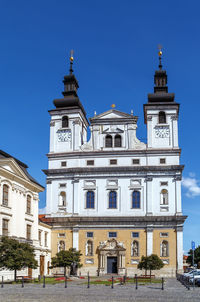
[{"x": 185, "y": 280}]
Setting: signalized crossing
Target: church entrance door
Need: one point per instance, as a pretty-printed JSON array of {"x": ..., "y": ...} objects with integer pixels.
[{"x": 112, "y": 265}]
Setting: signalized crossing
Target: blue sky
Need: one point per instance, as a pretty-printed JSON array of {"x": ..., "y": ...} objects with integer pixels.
[{"x": 115, "y": 49}]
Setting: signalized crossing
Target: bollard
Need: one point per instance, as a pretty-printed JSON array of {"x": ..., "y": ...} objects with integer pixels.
[
  {"x": 162, "y": 283},
  {"x": 39, "y": 278},
  {"x": 43, "y": 281},
  {"x": 22, "y": 281},
  {"x": 2, "y": 282},
  {"x": 124, "y": 279},
  {"x": 88, "y": 286},
  {"x": 136, "y": 282},
  {"x": 112, "y": 282},
  {"x": 120, "y": 281},
  {"x": 65, "y": 281}
]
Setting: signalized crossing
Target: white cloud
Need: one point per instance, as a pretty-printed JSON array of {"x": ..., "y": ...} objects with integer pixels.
[
  {"x": 42, "y": 210},
  {"x": 192, "y": 185}
]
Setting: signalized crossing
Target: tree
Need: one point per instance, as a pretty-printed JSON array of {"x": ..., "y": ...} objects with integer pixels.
[
  {"x": 67, "y": 259},
  {"x": 196, "y": 256},
  {"x": 152, "y": 262},
  {"x": 16, "y": 256}
]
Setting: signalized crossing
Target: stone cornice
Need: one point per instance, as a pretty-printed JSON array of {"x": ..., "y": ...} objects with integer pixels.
[
  {"x": 108, "y": 170},
  {"x": 135, "y": 152},
  {"x": 139, "y": 221}
]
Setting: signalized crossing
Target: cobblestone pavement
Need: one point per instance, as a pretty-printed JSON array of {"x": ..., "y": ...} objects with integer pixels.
[{"x": 173, "y": 291}]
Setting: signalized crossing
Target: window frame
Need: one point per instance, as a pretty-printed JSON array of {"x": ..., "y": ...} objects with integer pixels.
[
  {"x": 117, "y": 136},
  {"x": 65, "y": 121},
  {"x": 162, "y": 115},
  {"x": 112, "y": 233},
  {"x": 28, "y": 231},
  {"x": 136, "y": 207},
  {"x": 28, "y": 204},
  {"x": 5, "y": 233},
  {"x": 108, "y": 136},
  {"x": 90, "y": 204},
  {"x": 5, "y": 196},
  {"x": 110, "y": 202}
]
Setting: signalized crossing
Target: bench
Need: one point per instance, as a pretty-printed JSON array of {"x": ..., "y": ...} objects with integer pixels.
[{"x": 146, "y": 276}]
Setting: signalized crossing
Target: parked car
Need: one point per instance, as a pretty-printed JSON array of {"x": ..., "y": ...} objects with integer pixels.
[
  {"x": 191, "y": 273},
  {"x": 194, "y": 276}
]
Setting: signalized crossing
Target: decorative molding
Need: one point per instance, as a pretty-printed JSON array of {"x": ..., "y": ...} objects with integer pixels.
[
  {"x": 178, "y": 178},
  {"x": 174, "y": 117},
  {"x": 179, "y": 228},
  {"x": 52, "y": 123},
  {"x": 148, "y": 178},
  {"x": 7, "y": 214},
  {"x": 48, "y": 182},
  {"x": 149, "y": 229},
  {"x": 149, "y": 118}
]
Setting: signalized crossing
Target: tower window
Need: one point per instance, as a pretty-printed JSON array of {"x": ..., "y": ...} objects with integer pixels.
[
  {"x": 112, "y": 234},
  {"x": 136, "y": 200},
  {"x": 90, "y": 162},
  {"x": 136, "y": 161},
  {"x": 112, "y": 200},
  {"x": 162, "y": 117},
  {"x": 65, "y": 123},
  {"x": 108, "y": 143},
  {"x": 90, "y": 200},
  {"x": 63, "y": 164},
  {"x": 162, "y": 161},
  {"x": 118, "y": 140}
]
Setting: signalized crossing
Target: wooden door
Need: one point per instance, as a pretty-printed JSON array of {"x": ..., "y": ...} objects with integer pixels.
[
  {"x": 30, "y": 272},
  {"x": 41, "y": 265}
]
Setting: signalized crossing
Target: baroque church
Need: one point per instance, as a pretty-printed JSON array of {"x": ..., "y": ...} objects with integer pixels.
[{"x": 113, "y": 197}]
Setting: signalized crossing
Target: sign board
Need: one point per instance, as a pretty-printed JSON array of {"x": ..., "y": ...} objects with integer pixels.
[{"x": 193, "y": 245}]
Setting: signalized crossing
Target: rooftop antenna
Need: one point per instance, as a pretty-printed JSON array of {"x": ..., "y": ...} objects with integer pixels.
[
  {"x": 71, "y": 61},
  {"x": 160, "y": 55}
]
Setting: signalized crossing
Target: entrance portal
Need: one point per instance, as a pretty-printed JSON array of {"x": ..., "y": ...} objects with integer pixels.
[{"x": 112, "y": 265}]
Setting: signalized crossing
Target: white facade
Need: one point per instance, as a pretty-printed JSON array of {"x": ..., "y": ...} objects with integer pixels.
[{"x": 19, "y": 197}]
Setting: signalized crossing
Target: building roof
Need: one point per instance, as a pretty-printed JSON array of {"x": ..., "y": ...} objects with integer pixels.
[{"x": 22, "y": 165}]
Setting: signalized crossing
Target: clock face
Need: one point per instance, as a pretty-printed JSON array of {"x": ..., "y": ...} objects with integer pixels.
[
  {"x": 64, "y": 135},
  {"x": 161, "y": 132}
]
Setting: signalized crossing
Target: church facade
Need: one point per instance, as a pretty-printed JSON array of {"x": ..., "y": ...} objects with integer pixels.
[{"x": 113, "y": 197}]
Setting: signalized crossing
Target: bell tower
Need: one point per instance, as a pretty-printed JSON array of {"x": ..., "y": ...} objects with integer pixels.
[
  {"x": 68, "y": 126},
  {"x": 161, "y": 113}
]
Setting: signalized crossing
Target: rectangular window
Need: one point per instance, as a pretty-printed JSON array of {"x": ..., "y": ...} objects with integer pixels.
[
  {"x": 5, "y": 195},
  {"x": 112, "y": 234},
  {"x": 45, "y": 238},
  {"x": 113, "y": 162},
  {"x": 61, "y": 235},
  {"x": 39, "y": 237},
  {"x": 164, "y": 235},
  {"x": 63, "y": 164},
  {"x": 28, "y": 205},
  {"x": 136, "y": 161},
  {"x": 5, "y": 227},
  {"x": 112, "y": 200},
  {"x": 89, "y": 234},
  {"x": 62, "y": 185},
  {"x": 162, "y": 161},
  {"x": 28, "y": 232},
  {"x": 135, "y": 234},
  {"x": 90, "y": 200},
  {"x": 90, "y": 162},
  {"x": 164, "y": 183}
]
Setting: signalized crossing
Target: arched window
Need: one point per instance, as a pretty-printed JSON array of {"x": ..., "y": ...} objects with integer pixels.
[
  {"x": 90, "y": 200},
  {"x": 136, "y": 200},
  {"x": 118, "y": 140},
  {"x": 61, "y": 246},
  {"x": 162, "y": 117},
  {"x": 89, "y": 248},
  {"x": 62, "y": 199},
  {"x": 108, "y": 141},
  {"x": 5, "y": 195},
  {"x": 164, "y": 249},
  {"x": 112, "y": 200},
  {"x": 28, "y": 204},
  {"x": 65, "y": 122},
  {"x": 164, "y": 197},
  {"x": 135, "y": 248}
]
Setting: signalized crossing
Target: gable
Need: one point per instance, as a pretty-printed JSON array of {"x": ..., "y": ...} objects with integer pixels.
[
  {"x": 10, "y": 165},
  {"x": 113, "y": 114}
]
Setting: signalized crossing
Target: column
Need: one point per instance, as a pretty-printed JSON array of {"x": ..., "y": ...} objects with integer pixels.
[
  {"x": 179, "y": 242},
  {"x": 178, "y": 208},
  {"x": 149, "y": 131},
  {"x": 149, "y": 196},
  {"x": 76, "y": 238},
  {"x": 52, "y": 147},
  {"x": 75, "y": 198},
  {"x": 149, "y": 241}
]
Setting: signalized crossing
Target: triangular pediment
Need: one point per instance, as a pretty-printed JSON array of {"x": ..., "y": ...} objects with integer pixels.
[
  {"x": 10, "y": 165},
  {"x": 113, "y": 114}
]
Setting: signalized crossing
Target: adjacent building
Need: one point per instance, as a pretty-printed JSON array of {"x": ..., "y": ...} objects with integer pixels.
[
  {"x": 114, "y": 197},
  {"x": 19, "y": 197}
]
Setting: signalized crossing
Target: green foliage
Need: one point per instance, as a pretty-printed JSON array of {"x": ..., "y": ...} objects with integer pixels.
[
  {"x": 15, "y": 255},
  {"x": 152, "y": 262},
  {"x": 66, "y": 258},
  {"x": 196, "y": 256}
]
